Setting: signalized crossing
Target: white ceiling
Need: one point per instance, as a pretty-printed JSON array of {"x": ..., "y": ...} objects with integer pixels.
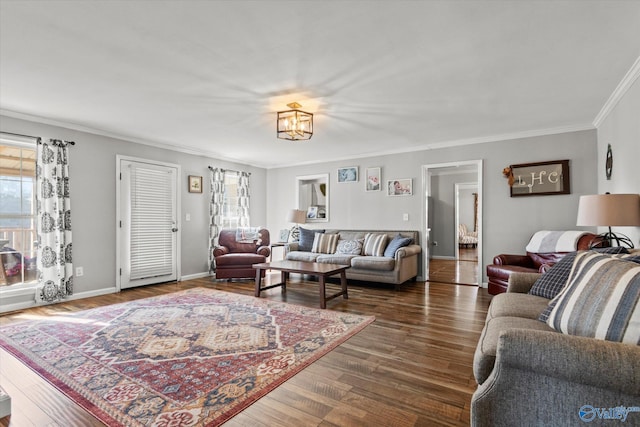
[{"x": 380, "y": 76}]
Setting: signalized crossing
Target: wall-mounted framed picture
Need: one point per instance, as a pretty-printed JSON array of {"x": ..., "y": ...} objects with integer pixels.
[
  {"x": 195, "y": 184},
  {"x": 348, "y": 174},
  {"x": 541, "y": 178},
  {"x": 372, "y": 182},
  {"x": 400, "y": 187}
]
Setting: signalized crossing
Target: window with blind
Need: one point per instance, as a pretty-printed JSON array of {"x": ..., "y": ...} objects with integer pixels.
[{"x": 231, "y": 207}]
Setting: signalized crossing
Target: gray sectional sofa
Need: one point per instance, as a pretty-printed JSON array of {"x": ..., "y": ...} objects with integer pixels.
[
  {"x": 531, "y": 374},
  {"x": 399, "y": 268}
]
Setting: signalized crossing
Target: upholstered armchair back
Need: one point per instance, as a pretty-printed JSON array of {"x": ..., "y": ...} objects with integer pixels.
[{"x": 227, "y": 238}]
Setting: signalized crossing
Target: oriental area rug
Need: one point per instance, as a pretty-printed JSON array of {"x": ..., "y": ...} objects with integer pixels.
[{"x": 191, "y": 358}]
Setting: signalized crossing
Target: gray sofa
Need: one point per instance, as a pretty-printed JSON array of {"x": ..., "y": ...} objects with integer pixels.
[
  {"x": 531, "y": 375},
  {"x": 399, "y": 269}
]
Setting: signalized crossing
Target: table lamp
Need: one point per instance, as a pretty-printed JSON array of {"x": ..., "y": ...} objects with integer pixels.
[
  {"x": 610, "y": 210},
  {"x": 297, "y": 217}
]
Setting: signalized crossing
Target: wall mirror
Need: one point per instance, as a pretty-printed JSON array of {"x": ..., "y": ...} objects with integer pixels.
[{"x": 312, "y": 193}]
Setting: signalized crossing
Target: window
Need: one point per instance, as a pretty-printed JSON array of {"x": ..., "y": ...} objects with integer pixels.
[
  {"x": 17, "y": 211},
  {"x": 231, "y": 206}
]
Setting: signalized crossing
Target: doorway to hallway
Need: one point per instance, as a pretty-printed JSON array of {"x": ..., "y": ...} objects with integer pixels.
[{"x": 446, "y": 260}]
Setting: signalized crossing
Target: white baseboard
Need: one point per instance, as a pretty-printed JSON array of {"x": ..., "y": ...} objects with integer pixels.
[
  {"x": 30, "y": 304},
  {"x": 443, "y": 257},
  {"x": 195, "y": 276}
]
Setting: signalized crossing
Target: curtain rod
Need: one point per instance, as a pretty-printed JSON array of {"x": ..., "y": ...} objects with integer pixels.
[
  {"x": 229, "y": 170},
  {"x": 37, "y": 138}
]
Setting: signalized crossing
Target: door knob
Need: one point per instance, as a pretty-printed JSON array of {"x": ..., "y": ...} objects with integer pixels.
[{"x": 174, "y": 229}]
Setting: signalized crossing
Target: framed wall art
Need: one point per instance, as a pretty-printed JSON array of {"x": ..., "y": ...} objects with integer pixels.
[
  {"x": 541, "y": 178},
  {"x": 348, "y": 174},
  {"x": 400, "y": 187},
  {"x": 195, "y": 184},
  {"x": 372, "y": 182}
]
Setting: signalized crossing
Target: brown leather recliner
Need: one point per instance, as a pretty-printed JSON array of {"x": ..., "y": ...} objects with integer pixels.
[
  {"x": 504, "y": 264},
  {"x": 234, "y": 260}
]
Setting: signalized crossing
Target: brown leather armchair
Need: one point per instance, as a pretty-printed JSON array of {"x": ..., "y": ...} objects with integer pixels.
[
  {"x": 504, "y": 264},
  {"x": 234, "y": 260}
]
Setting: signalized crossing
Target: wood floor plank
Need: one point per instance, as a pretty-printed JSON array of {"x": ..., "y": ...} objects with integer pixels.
[{"x": 411, "y": 367}]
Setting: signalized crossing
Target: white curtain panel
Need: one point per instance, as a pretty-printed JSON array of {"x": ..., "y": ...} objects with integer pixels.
[{"x": 53, "y": 211}]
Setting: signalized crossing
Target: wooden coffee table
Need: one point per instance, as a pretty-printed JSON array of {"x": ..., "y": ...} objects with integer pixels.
[{"x": 317, "y": 269}]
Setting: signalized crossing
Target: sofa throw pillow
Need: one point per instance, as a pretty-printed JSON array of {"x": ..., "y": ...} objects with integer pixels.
[
  {"x": 374, "y": 244},
  {"x": 325, "y": 243},
  {"x": 350, "y": 247},
  {"x": 396, "y": 243},
  {"x": 600, "y": 301},
  {"x": 305, "y": 243},
  {"x": 553, "y": 280}
]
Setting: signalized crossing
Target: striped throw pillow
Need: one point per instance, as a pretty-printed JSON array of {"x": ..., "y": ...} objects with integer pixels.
[
  {"x": 374, "y": 244},
  {"x": 325, "y": 243},
  {"x": 601, "y": 300}
]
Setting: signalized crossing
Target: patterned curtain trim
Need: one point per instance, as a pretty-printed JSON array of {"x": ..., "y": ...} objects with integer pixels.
[
  {"x": 215, "y": 212},
  {"x": 53, "y": 213},
  {"x": 243, "y": 199}
]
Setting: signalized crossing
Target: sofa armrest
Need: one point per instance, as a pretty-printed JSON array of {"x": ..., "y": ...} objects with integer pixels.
[
  {"x": 407, "y": 251},
  {"x": 264, "y": 250},
  {"x": 290, "y": 247},
  {"x": 521, "y": 283},
  {"x": 574, "y": 359},
  {"x": 220, "y": 250},
  {"x": 550, "y": 377},
  {"x": 509, "y": 259}
]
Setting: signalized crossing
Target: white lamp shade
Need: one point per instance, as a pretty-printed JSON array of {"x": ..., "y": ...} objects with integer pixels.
[
  {"x": 609, "y": 210},
  {"x": 297, "y": 216}
]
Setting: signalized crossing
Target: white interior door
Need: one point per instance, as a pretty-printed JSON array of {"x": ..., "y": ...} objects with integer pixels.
[{"x": 148, "y": 223}]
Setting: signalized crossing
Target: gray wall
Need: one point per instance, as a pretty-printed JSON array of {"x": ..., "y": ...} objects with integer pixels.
[
  {"x": 93, "y": 204},
  {"x": 508, "y": 222},
  {"x": 621, "y": 129},
  {"x": 507, "y": 226}
]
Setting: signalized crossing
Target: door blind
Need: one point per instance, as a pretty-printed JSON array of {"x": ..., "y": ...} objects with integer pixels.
[{"x": 151, "y": 223}]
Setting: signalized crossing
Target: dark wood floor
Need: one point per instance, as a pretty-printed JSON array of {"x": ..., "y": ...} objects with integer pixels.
[
  {"x": 411, "y": 367},
  {"x": 462, "y": 271}
]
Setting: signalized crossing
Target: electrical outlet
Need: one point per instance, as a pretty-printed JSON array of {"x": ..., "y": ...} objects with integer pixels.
[
  {"x": 187, "y": 217},
  {"x": 405, "y": 217},
  {"x": 79, "y": 271}
]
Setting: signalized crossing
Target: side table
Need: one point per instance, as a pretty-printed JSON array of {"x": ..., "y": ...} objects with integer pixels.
[{"x": 276, "y": 245}]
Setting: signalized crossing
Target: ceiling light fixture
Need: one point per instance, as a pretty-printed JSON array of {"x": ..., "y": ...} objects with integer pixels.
[{"x": 294, "y": 124}]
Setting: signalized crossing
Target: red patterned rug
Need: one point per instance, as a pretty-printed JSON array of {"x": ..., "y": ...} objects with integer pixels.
[{"x": 196, "y": 357}]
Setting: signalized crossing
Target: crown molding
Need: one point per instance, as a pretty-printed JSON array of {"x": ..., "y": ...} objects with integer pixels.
[
  {"x": 217, "y": 156},
  {"x": 452, "y": 143},
  {"x": 622, "y": 88},
  {"x": 81, "y": 128}
]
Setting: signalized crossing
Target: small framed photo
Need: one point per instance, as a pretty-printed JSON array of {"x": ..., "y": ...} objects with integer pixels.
[
  {"x": 284, "y": 236},
  {"x": 195, "y": 184},
  {"x": 348, "y": 174},
  {"x": 400, "y": 187},
  {"x": 312, "y": 212},
  {"x": 373, "y": 179}
]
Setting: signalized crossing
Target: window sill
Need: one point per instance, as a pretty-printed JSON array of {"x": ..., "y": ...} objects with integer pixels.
[{"x": 18, "y": 290}]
